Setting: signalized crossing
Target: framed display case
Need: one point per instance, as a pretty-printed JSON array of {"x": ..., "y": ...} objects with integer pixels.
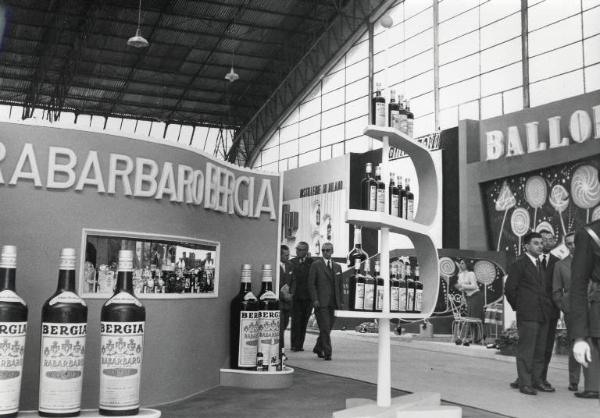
[{"x": 165, "y": 267}]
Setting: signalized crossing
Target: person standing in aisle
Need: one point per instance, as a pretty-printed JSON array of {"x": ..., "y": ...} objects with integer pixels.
[
  {"x": 561, "y": 285},
  {"x": 286, "y": 291},
  {"x": 301, "y": 303},
  {"x": 548, "y": 261},
  {"x": 467, "y": 283},
  {"x": 525, "y": 291},
  {"x": 584, "y": 320},
  {"x": 325, "y": 286}
]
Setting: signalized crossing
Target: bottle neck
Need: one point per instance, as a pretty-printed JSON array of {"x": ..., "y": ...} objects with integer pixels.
[
  {"x": 7, "y": 279},
  {"x": 66, "y": 281},
  {"x": 266, "y": 287},
  {"x": 124, "y": 282},
  {"x": 245, "y": 287}
]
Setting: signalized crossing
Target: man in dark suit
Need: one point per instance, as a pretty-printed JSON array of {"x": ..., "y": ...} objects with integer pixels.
[
  {"x": 325, "y": 286},
  {"x": 548, "y": 261},
  {"x": 286, "y": 291},
  {"x": 525, "y": 291},
  {"x": 584, "y": 321},
  {"x": 301, "y": 303}
]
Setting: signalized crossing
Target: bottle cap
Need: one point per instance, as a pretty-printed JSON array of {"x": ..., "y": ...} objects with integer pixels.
[
  {"x": 67, "y": 259},
  {"x": 267, "y": 273},
  {"x": 125, "y": 260},
  {"x": 8, "y": 257},
  {"x": 246, "y": 276}
]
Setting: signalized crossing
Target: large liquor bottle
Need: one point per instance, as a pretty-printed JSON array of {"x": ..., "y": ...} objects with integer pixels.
[
  {"x": 357, "y": 253},
  {"x": 410, "y": 120},
  {"x": 368, "y": 189},
  {"x": 394, "y": 290},
  {"x": 268, "y": 308},
  {"x": 369, "y": 304},
  {"x": 380, "y": 207},
  {"x": 378, "y": 288},
  {"x": 409, "y": 202},
  {"x": 401, "y": 197},
  {"x": 357, "y": 288},
  {"x": 418, "y": 291},
  {"x": 13, "y": 330},
  {"x": 122, "y": 323},
  {"x": 378, "y": 108},
  {"x": 244, "y": 324},
  {"x": 402, "y": 289},
  {"x": 393, "y": 111},
  {"x": 64, "y": 328},
  {"x": 393, "y": 197}
]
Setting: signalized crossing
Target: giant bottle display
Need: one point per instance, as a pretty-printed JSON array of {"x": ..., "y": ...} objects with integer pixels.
[
  {"x": 244, "y": 324},
  {"x": 268, "y": 337}
]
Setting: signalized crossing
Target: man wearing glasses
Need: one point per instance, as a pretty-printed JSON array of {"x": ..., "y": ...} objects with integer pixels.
[
  {"x": 325, "y": 287},
  {"x": 301, "y": 303}
]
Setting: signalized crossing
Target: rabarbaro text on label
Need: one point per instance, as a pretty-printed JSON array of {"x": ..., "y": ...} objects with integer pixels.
[
  {"x": 216, "y": 188},
  {"x": 581, "y": 129}
]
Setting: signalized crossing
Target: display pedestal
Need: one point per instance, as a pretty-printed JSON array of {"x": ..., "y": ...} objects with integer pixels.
[
  {"x": 250, "y": 379},
  {"x": 93, "y": 413},
  {"x": 416, "y": 405}
]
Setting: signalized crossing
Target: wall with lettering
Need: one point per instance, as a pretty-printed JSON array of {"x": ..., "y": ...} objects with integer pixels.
[{"x": 56, "y": 182}]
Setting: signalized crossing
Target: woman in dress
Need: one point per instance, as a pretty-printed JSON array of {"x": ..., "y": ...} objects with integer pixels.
[{"x": 467, "y": 283}]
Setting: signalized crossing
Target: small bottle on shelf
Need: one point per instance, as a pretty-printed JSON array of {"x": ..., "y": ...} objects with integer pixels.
[
  {"x": 380, "y": 190},
  {"x": 418, "y": 290},
  {"x": 394, "y": 290},
  {"x": 409, "y": 202},
  {"x": 402, "y": 114},
  {"x": 378, "y": 288},
  {"x": 410, "y": 289},
  {"x": 393, "y": 111},
  {"x": 368, "y": 189},
  {"x": 410, "y": 120},
  {"x": 402, "y": 288},
  {"x": 356, "y": 253},
  {"x": 369, "y": 304},
  {"x": 401, "y": 198},
  {"x": 378, "y": 108},
  {"x": 393, "y": 197},
  {"x": 357, "y": 288}
]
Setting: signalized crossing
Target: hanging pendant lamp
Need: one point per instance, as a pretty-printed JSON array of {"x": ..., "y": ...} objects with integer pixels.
[
  {"x": 137, "y": 40},
  {"x": 232, "y": 75}
]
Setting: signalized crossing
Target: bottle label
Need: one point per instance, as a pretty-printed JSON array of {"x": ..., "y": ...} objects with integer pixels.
[
  {"x": 395, "y": 119},
  {"x": 10, "y": 296},
  {"x": 249, "y": 296},
  {"x": 268, "y": 339},
  {"x": 66, "y": 297},
  {"x": 121, "y": 347},
  {"x": 403, "y": 124},
  {"x": 61, "y": 367},
  {"x": 369, "y": 295},
  {"x": 402, "y": 299},
  {"x": 359, "y": 296},
  {"x": 124, "y": 297},
  {"x": 394, "y": 302},
  {"x": 12, "y": 349},
  {"x": 419, "y": 300},
  {"x": 372, "y": 197},
  {"x": 379, "y": 300},
  {"x": 380, "y": 200},
  {"x": 394, "y": 205},
  {"x": 380, "y": 114},
  {"x": 268, "y": 295},
  {"x": 409, "y": 209},
  {"x": 249, "y": 328}
]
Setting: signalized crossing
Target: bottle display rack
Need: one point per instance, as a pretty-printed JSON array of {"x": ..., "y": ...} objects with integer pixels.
[{"x": 418, "y": 231}]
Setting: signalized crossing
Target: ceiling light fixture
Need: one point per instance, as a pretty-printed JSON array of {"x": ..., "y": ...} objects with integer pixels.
[
  {"x": 138, "y": 41},
  {"x": 232, "y": 75}
]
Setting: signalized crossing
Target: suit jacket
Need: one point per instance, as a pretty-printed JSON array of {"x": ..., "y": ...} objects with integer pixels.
[
  {"x": 325, "y": 286},
  {"x": 561, "y": 283},
  {"x": 301, "y": 275},
  {"x": 526, "y": 293},
  {"x": 548, "y": 279},
  {"x": 286, "y": 277},
  {"x": 584, "y": 320}
]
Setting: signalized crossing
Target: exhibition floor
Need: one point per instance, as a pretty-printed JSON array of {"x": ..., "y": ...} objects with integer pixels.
[{"x": 473, "y": 377}]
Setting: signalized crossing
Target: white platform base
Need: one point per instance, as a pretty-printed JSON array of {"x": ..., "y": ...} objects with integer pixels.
[
  {"x": 416, "y": 405},
  {"x": 93, "y": 413},
  {"x": 250, "y": 379}
]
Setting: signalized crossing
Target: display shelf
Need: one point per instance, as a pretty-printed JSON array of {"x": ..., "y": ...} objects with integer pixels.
[
  {"x": 144, "y": 412},
  {"x": 378, "y": 220},
  {"x": 252, "y": 379},
  {"x": 380, "y": 315}
]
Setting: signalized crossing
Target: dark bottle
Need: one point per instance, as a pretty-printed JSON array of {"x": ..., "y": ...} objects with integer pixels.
[
  {"x": 318, "y": 214},
  {"x": 394, "y": 290},
  {"x": 401, "y": 198},
  {"x": 378, "y": 288},
  {"x": 393, "y": 197},
  {"x": 13, "y": 316},
  {"x": 380, "y": 206},
  {"x": 357, "y": 288},
  {"x": 368, "y": 189},
  {"x": 356, "y": 253},
  {"x": 410, "y": 120},
  {"x": 122, "y": 323},
  {"x": 402, "y": 288},
  {"x": 409, "y": 202},
  {"x": 64, "y": 329},
  {"x": 393, "y": 111},
  {"x": 244, "y": 324},
  {"x": 403, "y": 116},
  {"x": 369, "y": 304},
  {"x": 378, "y": 108},
  {"x": 418, "y": 291},
  {"x": 410, "y": 289},
  {"x": 268, "y": 308},
  {"x": 328, "y": 229}
]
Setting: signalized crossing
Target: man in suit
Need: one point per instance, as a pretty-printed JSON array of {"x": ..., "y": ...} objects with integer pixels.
[
  {"x": 561, "y": 286},
  {"x": 548, "y": 261},
  {"x": 584, "y": 321},
  {"x": 286, "y": 291},
  {"x": 325, "y": 286},
  {"x": 525, "y": 291},
  {"x": 301, "y": 303}
]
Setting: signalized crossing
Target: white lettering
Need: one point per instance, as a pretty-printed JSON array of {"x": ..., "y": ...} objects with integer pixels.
[
  {"x": 2, "y": 155},
  {"x": 596, "y": 110},
  {"x": 166, "y": 185},
  {"x": 55, "y": 167},
  {"x": 265, "y": 193},
  {"x": 146, "y": 171},
  {"x": 243, "y": 209},
  {"x": 554, "y": 133},
  {"x": 580, "y": 126},
  {"x": 495, "y": 144},
  {"x": 533, "y": 142},
  {"x": 27, "y": 156},
  {"x": 210, "y": 187},
  {"x": 185, "y": 184},
  {"x": 198, "y": 187},
  {"x": 514, "y": 145},
  {"x": 114, "y": 172},
  {"x": 91, "y": 164}
]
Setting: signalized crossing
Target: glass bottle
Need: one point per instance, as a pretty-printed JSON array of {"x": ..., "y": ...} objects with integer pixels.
[
  {"x": 409, "y": 202},
  {"x": 268, "y": 307},
  {"x": 378, "y": 107},
  {"x": 393, "y": 197},
  {"x": 244, "y": 324},
  {"x": 356, "y": 253},
  {"x": 393, "y": 111},
  {"x": 418, "y": 290},
  {"x": 410, "y": 120},
  {"x": 357, "y": 288},
  {"x": 401, "y": 198},
  {"x": 369, "y": 304},
  {"x": 394, "y": 290},
  {"x": 378, "y": 288},
  {"x": 380, "y": 190},
  {"x": 368, "y": 189}
]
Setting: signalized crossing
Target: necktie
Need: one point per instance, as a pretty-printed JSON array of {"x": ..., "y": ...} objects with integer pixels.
[
  {"x": 544, "y": 262},
  {"x": 539, "y": 267},
  {"x": 329, "y": 265}
]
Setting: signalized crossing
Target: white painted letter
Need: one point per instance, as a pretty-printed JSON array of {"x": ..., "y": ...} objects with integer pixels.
[
  {"x": 514, "y": 145},
  {"x": 210, "y": 186},
  {"x": 2, "y": 155},
  {"x": 114, "y": 172},
  {"x": 91, "y": 164},
  {"x": 27, "y": 155},
  {"x": 554, "y": 133},
  {"x": 596, "y": 110},
  {"x": 67, "y": 168},
  {"x": 495, "y": 144},
  {"x": 533, "y": 142},
  {"x": 141, "y": 177},
  {"x": 265, "y": 193},
  {"x": 241, "y": 210},
  {"x": 580, "y": 126},
  {"x": 198, "y": 187},
  {"x": 167, "y": 184},
  {"x": 185, "y": 184}
]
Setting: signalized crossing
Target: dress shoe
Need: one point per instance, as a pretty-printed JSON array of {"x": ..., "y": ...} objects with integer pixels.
[
  {"x": 573, "y": 387},
  {"x": 515, "y": 384},
  {"x": 318, "y": 353},
  {"x": 544, "y": 387},
  {"x": 527, "y": 390},
  {"x": 329, "y": 359},
  {"x": 587, "y": 394}
]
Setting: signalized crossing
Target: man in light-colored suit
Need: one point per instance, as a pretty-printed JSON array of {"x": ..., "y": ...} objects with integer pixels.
[{"x": 325, "y": 287}]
